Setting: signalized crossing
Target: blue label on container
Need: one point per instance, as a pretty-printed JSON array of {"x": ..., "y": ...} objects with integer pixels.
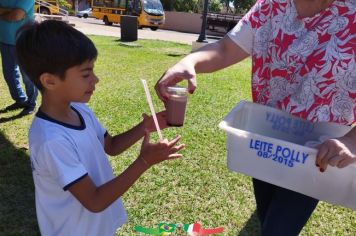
[
  {"x": 289, "y": 125},
  {"x": 282, "y": 155}
]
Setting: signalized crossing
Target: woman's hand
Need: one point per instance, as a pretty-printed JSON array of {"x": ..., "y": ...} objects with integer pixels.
[
  {"x": 183, "y": 70},
  {"x": 148, "y": 122},
  {"x": 339, "y": 152}
]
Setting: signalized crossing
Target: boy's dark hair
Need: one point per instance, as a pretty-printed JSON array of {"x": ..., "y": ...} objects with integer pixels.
[{"x": 51, "y": 47}]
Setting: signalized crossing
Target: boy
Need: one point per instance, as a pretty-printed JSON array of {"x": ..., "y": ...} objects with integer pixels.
[{"x": 76, "y": 192}]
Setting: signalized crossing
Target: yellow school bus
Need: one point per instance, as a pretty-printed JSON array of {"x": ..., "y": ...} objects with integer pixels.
[
  {"x": 48, "y": 7},
  {"x": 149, "y": 13}
]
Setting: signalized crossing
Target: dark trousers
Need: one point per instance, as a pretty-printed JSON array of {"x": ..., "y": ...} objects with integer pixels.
[
  {"x": 11, "y": 72},
  {"x": 281, "y": 212}
]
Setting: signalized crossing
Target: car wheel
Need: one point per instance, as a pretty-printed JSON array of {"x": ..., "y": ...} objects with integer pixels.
[
  {"x": 85, "y": 15},
  {"x": 154, "y": 28}
]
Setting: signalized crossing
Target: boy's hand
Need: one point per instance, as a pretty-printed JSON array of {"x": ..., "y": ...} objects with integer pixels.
[
  {"x": 339, "y": 152},
  {"x": 154, "y": 153},
  {"x": 148, "y": 122}
]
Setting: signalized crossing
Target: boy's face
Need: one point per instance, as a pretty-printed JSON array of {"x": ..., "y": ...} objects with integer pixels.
[{"x": 79, "y": 83}]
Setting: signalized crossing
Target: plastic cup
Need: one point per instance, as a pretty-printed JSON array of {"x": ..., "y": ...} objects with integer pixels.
[{"x": 176, "y": 105}]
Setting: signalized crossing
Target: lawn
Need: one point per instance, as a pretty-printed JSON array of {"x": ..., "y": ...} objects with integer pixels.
[{"x": 197, "y": 187}]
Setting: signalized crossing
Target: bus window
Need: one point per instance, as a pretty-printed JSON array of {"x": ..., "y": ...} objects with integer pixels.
[
  {"x": 153, "y": 7},
  {"x": 136, "y": 7},
  {"x": 139, "y": 6}
]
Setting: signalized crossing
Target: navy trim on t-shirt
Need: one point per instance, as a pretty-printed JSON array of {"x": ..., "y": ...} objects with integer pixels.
[
  {"x": 65, "y": 188},
  {"x": 44, "y": 116}
]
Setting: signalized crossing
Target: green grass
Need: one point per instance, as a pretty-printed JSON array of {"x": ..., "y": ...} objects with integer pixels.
[{"x": 197, "y": 187}]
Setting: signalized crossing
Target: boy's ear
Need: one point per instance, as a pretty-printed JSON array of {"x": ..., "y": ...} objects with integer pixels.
[{"x": 49, "y": 81}]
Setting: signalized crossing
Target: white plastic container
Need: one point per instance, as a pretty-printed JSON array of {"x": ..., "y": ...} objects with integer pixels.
[{"x": 268, "y": 144}]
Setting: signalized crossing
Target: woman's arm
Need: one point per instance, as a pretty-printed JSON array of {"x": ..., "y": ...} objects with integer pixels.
[{"x": 210, "y": 58}]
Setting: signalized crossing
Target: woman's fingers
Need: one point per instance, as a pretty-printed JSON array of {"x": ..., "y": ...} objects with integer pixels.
[
  {"x": 334, "y": 152},
  {"x": 334, "y": 161},
  {"x": 192, "y": 85},
  {"x": 323, "y": 151},
  {"x": 345, "y": 162}
]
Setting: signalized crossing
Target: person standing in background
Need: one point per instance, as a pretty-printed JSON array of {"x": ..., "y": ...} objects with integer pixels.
[{"x": 13, "y": 14}]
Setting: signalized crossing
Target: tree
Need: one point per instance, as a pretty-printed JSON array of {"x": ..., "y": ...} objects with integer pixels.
[
  {"x": 168, "y": 5},
  {"x": 226, "y": 4},
  {"x": 214, "y": 5},
  {"x": 241, "y": 6},
  {"x": 64, "y": 4},
  {"x": 186, "y": 5}
]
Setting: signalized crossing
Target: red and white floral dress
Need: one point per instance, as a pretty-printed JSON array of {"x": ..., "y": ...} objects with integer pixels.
[{"x": 305, "y": 66}]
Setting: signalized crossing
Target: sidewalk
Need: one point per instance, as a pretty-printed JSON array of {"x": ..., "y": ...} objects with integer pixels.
[
  {"x": 92, "y": 26},
  {"x": 96, "y": 27}
]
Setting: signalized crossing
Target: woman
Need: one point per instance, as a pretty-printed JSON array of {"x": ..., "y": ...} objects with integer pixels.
[{"x": 303, "y": 62}]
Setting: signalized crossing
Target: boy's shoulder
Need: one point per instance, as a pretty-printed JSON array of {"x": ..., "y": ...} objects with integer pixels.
[
  {"x": 82, "y": 107},
  {"x": 43, "y": 132},
  {"x": 44, "y": 128},
  {"x": 84, "y": 110}
]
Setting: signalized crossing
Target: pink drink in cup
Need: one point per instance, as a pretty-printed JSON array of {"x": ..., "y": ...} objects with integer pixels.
[{"x": 176, "y": 104}]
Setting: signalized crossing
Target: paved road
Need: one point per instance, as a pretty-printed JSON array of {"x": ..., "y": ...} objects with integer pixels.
[{"x": 97, "y": 27}]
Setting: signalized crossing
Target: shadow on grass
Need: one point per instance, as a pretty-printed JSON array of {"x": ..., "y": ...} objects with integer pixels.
[
  {"x": 17, "y": 197},
  {"x": 7, "y": 119},
  {"x": 176, "y": 54},
  {"x": 252, "y": 226}
]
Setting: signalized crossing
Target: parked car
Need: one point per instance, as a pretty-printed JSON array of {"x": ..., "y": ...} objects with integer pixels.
[{"x": 84, "y": 13}]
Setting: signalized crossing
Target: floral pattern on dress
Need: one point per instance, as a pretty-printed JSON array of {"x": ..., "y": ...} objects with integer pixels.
[{"x": 305, "y": 66}]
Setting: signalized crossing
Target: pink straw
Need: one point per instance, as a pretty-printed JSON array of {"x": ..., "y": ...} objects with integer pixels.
[{"x": 149, "y": 100}]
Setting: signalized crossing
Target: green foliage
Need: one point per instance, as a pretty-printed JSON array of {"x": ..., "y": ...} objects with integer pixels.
[
  {"x": 215, "y": 6},
  {"x": 195, "y": 6},
  {"x": 186, "y": 5},
  {"x": 64, "y": 4},
  {"x": 168, "y": 5},
  {"x": 242, "y": 6}
]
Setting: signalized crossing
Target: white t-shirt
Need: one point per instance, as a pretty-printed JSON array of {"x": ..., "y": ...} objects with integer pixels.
[{"x": 62, "y": 154}]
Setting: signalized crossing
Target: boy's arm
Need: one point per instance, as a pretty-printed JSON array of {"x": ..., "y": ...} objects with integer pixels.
[
  {"x": 12, "y": 14},
  {"x": 119, "y": 143},
  {"x": 96, "y": 199}
]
